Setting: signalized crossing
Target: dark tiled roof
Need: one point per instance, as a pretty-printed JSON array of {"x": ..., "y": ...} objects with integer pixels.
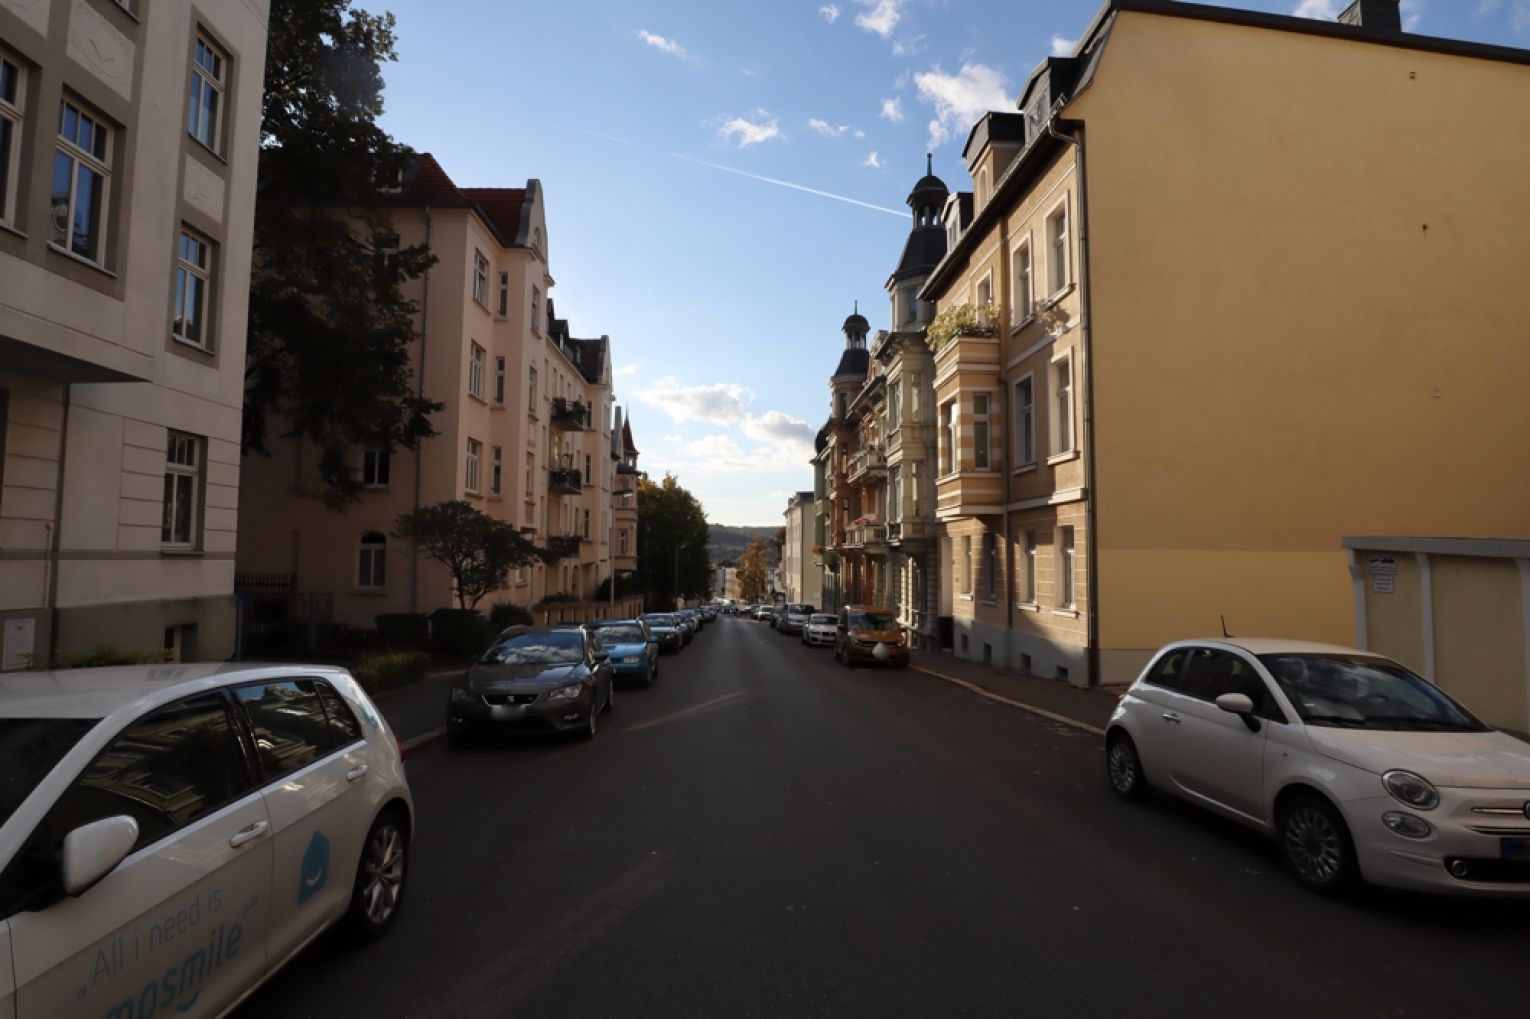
[
  {"x": 854, "y": 361},
  {"x": 501, "y": 206},
  {"x": 589, "y": 355},
  {"x": 925, "y": 247}
]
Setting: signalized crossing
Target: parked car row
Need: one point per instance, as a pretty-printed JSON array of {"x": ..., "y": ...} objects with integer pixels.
[{"x": 859, "y": 634}]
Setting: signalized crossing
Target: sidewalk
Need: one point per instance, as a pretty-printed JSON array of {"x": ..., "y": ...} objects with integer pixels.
[
  {"x": 419, "y": 707},
  {"x": 1087, "y": 709}
]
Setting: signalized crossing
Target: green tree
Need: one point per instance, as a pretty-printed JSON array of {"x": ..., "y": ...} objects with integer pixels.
[
  {"x": 476, "y": 549},
  {"x": 753, "y": 573},
  {"x": 673, "y": 537},
  {"x": 330, "y": 330}
]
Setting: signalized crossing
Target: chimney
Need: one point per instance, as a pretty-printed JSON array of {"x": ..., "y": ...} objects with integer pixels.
[{"x": 1373, "y": 15}]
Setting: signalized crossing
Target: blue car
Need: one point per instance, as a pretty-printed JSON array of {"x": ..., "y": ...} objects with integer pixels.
[{"x": 633, "y": 647}]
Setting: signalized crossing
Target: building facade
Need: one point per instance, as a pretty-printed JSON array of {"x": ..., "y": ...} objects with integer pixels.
[
  {"x": 525, "y": 434},
  {"x": 801, "y": 571},
  {"x": 129, "y": 135},
  {"x": 624, "y": 498},
  {"x": 1212, "y": 354}
]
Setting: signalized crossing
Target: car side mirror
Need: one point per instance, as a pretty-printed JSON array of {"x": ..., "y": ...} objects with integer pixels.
[
  {"x": 1242, "y": 705},
  {"x": 93, "y": 851}
]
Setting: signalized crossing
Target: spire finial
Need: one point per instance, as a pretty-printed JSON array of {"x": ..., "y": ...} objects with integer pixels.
[
  {"x": 857, "y": 306},
  {"x": 929, "y": 164}
]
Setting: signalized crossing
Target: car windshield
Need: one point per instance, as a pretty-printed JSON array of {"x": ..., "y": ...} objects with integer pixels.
[
  {"x": 622, "y": 635},
  {"x": 872, "y": 621},
  {"x": 29, "y": 748},
  {"x": 659, "y": 620},
  {"x": 555, "y": 647},
  {"x": 1362, "y": 692},
  {"x": 819, "y": 619},
  {"x": 801, "y": 610}
]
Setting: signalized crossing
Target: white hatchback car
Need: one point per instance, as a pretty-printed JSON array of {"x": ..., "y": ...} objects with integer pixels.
[
  {"x": 1357, "y": 767},
  {"x": 819, "y": 630},
  {"x": 171, "y": 835}
]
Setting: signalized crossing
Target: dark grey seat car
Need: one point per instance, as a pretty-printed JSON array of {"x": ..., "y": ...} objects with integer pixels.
[{"x": 533, "y": 679}]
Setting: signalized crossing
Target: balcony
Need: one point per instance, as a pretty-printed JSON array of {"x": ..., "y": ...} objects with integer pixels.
[
  {"x": 869, "y": 538},
  {"x": 910, "y": 532},
  {"x": 565, "y": 481},
  {"x": 570, "y": 415},
  {"x": 867, "y": 465},
  {"x": 626, "y": 467},
  {"x": 564, "y": 546}
]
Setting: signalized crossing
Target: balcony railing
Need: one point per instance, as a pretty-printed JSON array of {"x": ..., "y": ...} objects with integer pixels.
[
  {"x": 565, "y": 481},
  {"x": 626, "y": 467},
  {"x": 564, "y": 546},
  {"x": 871, "y": 537},
  {"x": 573, "y": 415},
  {"x": 868, "y": 463},
  {"x": 910, "y": 530}
]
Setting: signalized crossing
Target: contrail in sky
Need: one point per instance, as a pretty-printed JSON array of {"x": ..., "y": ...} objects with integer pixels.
[{"x": 794, "y": 187}]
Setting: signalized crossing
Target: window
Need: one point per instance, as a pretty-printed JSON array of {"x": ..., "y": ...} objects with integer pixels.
[
  {"x": 475, "y": 369},
  {"x": 193, "y": 273},
  {"x": 1023, "y": 288},
  {"x": 372, "y": 563},
  {"x": 1062, "y": 405},
  {"x": 374, "y": 467},
  {"x": 1210, "y": 673},
  {"x": 1065, "y": 598},
  {"x": 474, "y": 459},
  {"x": 895, "y": 404},
  {"x": 167, "y": 770},
  {"x": 947, "y": 437},
  {"x": 895, "y": 494},
  {"x": 536, "y": 310},
  {"x": 980, "y": 431},
  {"x": 990, "y": 565},
  {"x": 504, "y": 294},
  {"x": 480, "y": 279},
  {"x": 290, "y": 724},
  {"x": 531, "y": 471},
  {"x": 967, "y": 564},
  {"x": 913, "y": 485},
  {"x": 496, "y": 470},
  {"x": 1057, "y": 241},
  {"x": 386, "y": 247},
  {"x": 182, "y": 465},
  {"x": 206, "y": 103},
  {"x": 985, "y": 290},
  {"x": 1025, "y": 421},
  {"x": 982, "y": 187},
  {"x": 622, "y": 540},
  {"x": 344, "y": 729},
  {"x": 915, "y": 386},
  {"x": 911, "y": 304},
  {"x": 1028, "y": 589},
  {"x": 12, "y": 84},
  {"x": 841, "y": 403},
  {"x": 499, "y": 381},
  {"x": 531, "y": 393},
  {"x": 587, "y": 468},
  {"x": 81, "y": 170},
  {"x": 586, "y": 525}
]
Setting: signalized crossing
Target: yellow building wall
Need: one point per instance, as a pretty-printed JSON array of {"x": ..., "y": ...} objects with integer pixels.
[{"x": 1307, "y": 260}]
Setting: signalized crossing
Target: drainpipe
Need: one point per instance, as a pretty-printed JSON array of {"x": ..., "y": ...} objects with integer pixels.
[
  {"x": 56, "y": 529},
  {"x": 414, "y": 550},
  {"x": 1086, "y": 327}
]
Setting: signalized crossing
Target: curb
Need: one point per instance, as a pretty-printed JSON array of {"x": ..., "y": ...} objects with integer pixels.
[
  {"x": 425, "y": 739},
  {"x": 1050, "y": 716}
]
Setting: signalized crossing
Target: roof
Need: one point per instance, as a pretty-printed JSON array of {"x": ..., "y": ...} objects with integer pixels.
[
  {"x": 96, "y": 693},
  {"x": 589, "y": 356},
  {"x": 500, "y": 206},
  {"x": 923, "y": 250},
  {"x": 854, "y": 361},
  {"x": 996, "y": 128},
  {"x": 1272, "y": 646},
  {"x": 501, "y": 209}
]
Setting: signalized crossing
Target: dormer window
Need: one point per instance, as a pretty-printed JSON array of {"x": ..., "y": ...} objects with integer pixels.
[{"x": 982, "y": 187}]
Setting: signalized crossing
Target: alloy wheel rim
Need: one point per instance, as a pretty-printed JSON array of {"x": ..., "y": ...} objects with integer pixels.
[
  {"x": 590, "y": 723},
  {"x": 1313, "y": 844},
  {"x": 1123, "y": 772},
  {"x": 383, "y": 882}
]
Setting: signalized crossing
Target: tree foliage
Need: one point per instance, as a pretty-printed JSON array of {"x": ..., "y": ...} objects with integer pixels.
[
  {"x": 753, "y": 571},
  {"x": 674, "y": 559},
  {"x": 330, "y": 330},
  {"x": 476, "y": 549}
]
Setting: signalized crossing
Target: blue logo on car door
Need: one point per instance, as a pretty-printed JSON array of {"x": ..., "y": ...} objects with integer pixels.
[{"x": 314, "y": 870}]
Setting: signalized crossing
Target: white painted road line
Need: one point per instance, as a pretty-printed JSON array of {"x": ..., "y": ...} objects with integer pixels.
[{"x": 1032, "y": 709}]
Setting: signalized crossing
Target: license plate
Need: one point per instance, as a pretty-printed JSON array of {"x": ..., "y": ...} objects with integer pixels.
[{"x": 1515, "y": 849}]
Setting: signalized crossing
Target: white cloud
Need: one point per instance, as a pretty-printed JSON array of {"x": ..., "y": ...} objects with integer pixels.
[
  {"x": 1062, "y": 46},
  {"x": 882, "y": 18},
  {"x": 748, "y": 132},
  {"x": 781, "y": 429},
  {"x": 829, "y": 13},
  {"x": 1519, "y": 17},
  {"x": 908, "y": 46},
  {"x": 892, "y": 109},
  {"x": 1413, "y": 13},
  {"x": 1324, "y": 9},
  {"x": 660, "y": 43},
  {"x": 625, "y": 370},
  {"x": 901, "y": 81},
  {"x": 874, "y": 161},
  {"x": 827, "y": 129},
  {"x": 859, "y": 134},
  {"x": 718, "y": 403},
  {"x": 960, "y": 99},
  {"x": 714, "y": 447},
  {"x": 1487, "y": 7},
  {"x": 1412, "y": 10}
]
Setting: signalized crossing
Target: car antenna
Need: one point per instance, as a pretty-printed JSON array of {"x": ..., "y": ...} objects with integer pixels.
[{"x": 1225, "y": 634}]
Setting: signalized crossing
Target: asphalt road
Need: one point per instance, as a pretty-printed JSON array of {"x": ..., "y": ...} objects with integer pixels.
[{"x": 764, "y": 833}]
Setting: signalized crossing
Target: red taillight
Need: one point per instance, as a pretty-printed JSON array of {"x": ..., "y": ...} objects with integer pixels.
[{"x": 402, "y": 753}]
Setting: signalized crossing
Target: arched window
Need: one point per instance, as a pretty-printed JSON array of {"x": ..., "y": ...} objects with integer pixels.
[{"x": 372, "y": 562}]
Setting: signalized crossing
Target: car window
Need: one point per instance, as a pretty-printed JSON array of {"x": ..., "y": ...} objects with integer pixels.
[
  {"x": 820, "y": 619},
  {"x": 1211, "y": 673},
  {"x": 537, "y": 647},
  {"x": 173, "y": 766},
  {"x": 344, "y": 728},
  {"x": 623, "y": 634},
  {"x": 29, "y": 748},
  {"x": 1166, "y": 671},
  {"x": 290, "y": 726},
  {"x": 872, "y": 621},
  {"x": 1365, "y": 692}
]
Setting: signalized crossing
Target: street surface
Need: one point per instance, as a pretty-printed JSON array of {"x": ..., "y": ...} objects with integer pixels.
[{"x": 764, "y": 833}]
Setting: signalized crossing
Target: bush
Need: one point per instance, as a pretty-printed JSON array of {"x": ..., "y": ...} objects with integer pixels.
[
  {"x": 559, "y": 597},
  {"x": 386, "y": 671},
  {"x": 403, "y": 628},
  {"x": 504, "y": 614},
  {"x": 105, "y": 654},
  {"x": 459, "y": 634}
]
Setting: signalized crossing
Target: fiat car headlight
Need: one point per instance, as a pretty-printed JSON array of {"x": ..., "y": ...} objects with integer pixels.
[{"x": 1414, "y": 790}]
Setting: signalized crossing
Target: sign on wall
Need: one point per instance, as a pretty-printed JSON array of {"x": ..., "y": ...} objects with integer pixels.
[{"x": 1383, "y": 570}]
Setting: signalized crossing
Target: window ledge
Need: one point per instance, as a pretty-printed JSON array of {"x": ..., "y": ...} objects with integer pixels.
[
  {"x": 1057, "y": 458},
  {"x": 964, "y": 597},
  {"x": 1027, "y": 606},
  {"x": 192, "y": 345},
  {"x": 497, "y": 405},
  {"x": 1069, "y": 613},
  {"x": 203, "y": 146},
  {"x": 474, "y": 396},
  {"x": 8, "y": 228},
  {"x": 180, "y": 553},
  {"x": 1025, "y": 468},
  {"x": 1058, "y": 295},
  {"x": 97, "y": 266},
  {"x": 369, "y": 592},
  {"x": 374, "y": 488},
  {"x": 1030, "y": 317},
  {"x": 990, "y": 602}
]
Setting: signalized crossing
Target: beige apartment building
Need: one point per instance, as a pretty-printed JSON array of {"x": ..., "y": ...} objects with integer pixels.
[
  {"x": 525, "y": 434},
  {"x": 801, "y": 569},
  {"x": 1240, "y": 310},
  {"x": 129, "y": 133},
  {"x": 624, "y": 497}
]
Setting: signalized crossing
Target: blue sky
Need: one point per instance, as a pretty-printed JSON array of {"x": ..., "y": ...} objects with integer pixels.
[{"x": 723, "y": 293}]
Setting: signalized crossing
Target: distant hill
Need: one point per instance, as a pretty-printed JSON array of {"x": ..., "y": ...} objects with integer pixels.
[{"x": 728, "y": 543}]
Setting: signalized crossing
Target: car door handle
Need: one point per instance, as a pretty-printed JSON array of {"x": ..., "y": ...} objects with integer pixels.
[
  {"x": 1169, "y": 716},
  {"x": 355, "y": 773},
  {"x": 249, "y": 834}
]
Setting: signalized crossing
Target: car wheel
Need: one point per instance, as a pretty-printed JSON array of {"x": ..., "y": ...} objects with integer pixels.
[
  {"x": 1316, "y": 844},
  {"x": 590, "y": 725},
  {"x": 611, "y": 694},
  {"x": 379, "y": 889},
  {"x": 1125, "y": 768}
]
